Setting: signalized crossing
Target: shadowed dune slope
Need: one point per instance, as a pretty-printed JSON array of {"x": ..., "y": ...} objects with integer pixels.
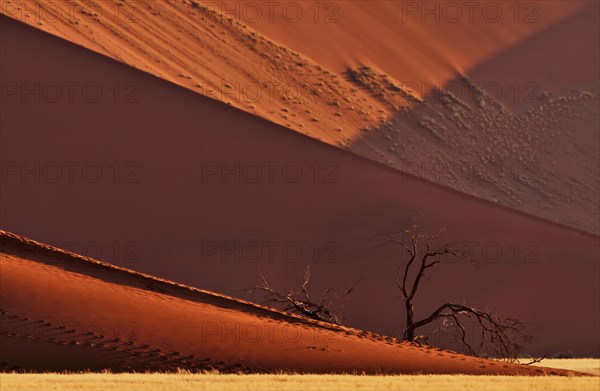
[
  {"x": 420, "y": 44},
  {"x": 556, "y": 60},
  {"x": 191, "y": 190},
  {"x": 297, "y": 74},
  {"x": 61, "y": 311},
  {"x": 424, "y": 45}
]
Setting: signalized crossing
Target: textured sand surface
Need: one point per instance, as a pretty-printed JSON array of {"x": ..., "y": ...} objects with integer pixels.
[
  {"x": 522, "y": 131},
  {"x": 166, "y": 184},
  {"x": 64, "y": 312}
]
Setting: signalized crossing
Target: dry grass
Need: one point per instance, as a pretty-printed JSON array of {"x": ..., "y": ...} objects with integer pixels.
[
  {"x": 183, "y": 381},
  {"x": 587, "y": 365}
]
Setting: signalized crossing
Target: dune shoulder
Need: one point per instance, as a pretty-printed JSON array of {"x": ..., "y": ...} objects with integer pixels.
[{"x": 55, "y": 302}]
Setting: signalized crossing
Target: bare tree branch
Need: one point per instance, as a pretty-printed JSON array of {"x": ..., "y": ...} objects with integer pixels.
[
  {"x": 536, "y": 360},
  {"x": 299, "y": 302},
  {"x": 500, "y": 335}
]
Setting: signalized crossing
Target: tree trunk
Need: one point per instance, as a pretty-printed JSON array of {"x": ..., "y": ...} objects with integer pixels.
[{"x": 409, "y": 333}]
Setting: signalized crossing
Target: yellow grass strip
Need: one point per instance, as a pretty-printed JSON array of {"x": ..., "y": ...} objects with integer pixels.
[{"x": 100, "y": 381}]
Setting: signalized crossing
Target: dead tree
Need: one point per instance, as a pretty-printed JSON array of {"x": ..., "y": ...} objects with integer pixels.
[
  {"x": 300, "y": 302},
  {"x": 500, "y": 335},
  {"x": 536, "y": 360}
]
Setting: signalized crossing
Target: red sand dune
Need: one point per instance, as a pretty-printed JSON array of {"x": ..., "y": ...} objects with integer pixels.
[
  {"x": 294, "y": 74},
  {"x": 61, "y": 311},
  {"x": 557, "y": 59},
  {"x": 152, "y": 187},
  {"x": 417, "y": 43}
]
